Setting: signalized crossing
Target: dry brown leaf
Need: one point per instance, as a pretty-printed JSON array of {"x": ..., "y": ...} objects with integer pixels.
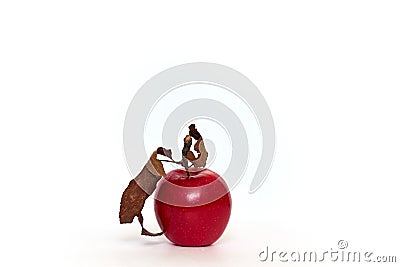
[
  {"x": 202, "y": 154},
  {"x": 140, "y": 188},
  {"x": 199, "y": 147}
]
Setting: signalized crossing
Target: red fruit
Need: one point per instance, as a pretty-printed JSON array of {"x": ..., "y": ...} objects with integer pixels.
[{"x": 194, "y": 210}]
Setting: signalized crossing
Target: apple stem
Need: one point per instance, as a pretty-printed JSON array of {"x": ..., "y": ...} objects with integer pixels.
[{"x": 172, "y": 161}]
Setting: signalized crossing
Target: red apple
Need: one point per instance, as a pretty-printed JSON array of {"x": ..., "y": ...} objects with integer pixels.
[{"x": 194, "y": 210}]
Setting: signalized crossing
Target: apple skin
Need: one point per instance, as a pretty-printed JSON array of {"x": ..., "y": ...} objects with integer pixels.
[{"x": 192, "y": 211}]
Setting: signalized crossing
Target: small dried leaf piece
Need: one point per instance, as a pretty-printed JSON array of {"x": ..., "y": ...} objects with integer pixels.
[
  {"x": 164, "y": 152},
  {"x": 199, "y": 147},
  {"x": 140, "y": 188},
  {"x": 201, "y": 159},
  {"x": 190, "y": 156},
  {"x": 193, "y": 132}
]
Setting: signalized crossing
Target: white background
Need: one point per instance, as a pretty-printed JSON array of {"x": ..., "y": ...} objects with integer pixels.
[{"x": 329, "y": 71}]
